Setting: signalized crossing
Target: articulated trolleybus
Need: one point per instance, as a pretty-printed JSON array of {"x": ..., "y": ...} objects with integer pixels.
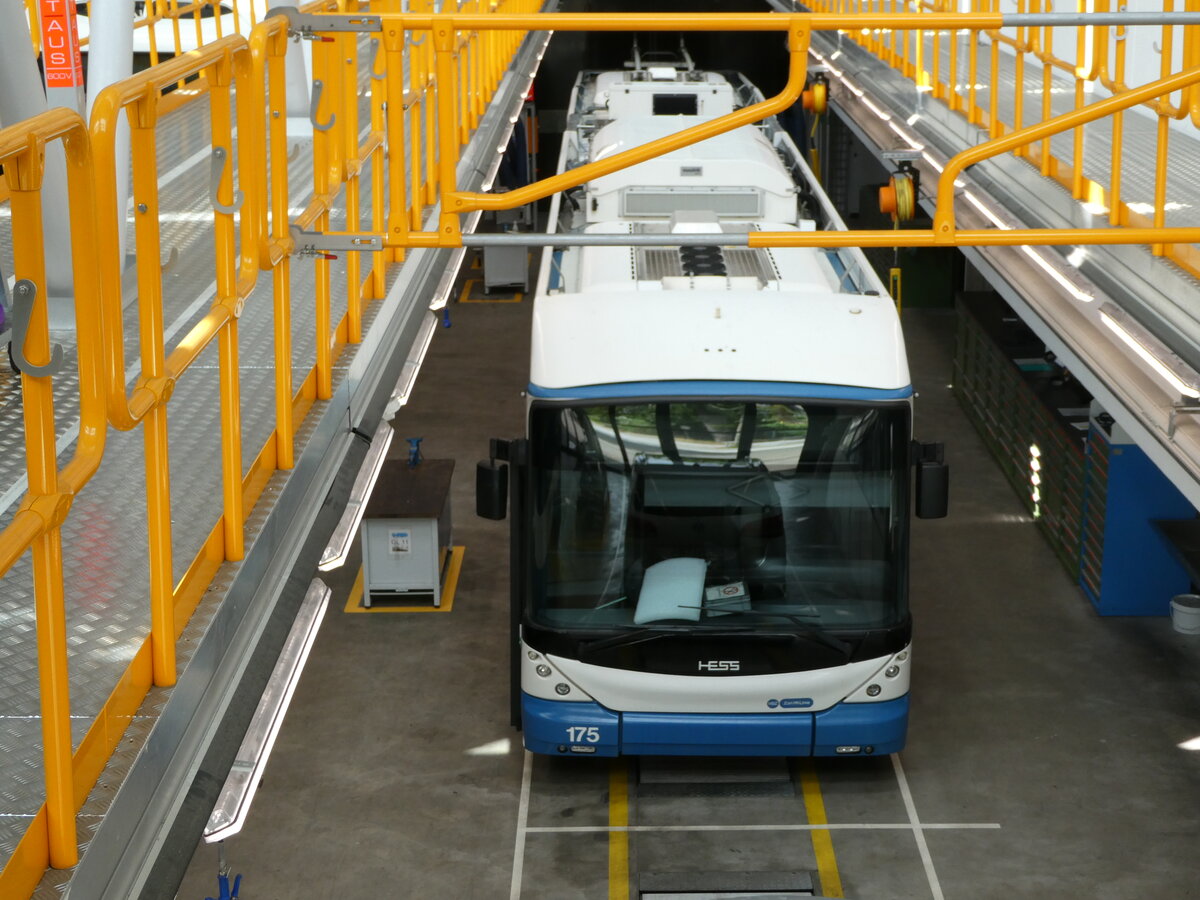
[{"x": 711, "y": 505}]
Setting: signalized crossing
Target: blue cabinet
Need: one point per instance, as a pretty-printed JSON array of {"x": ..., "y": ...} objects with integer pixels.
[{"x": 1126, "y": 566}]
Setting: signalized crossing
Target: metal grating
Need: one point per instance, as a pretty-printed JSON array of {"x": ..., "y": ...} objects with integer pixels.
[{"x": 657, "y": 263}]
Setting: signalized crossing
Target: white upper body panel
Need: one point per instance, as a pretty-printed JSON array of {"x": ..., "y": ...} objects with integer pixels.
[
  {"x": 801, "y": 334},
  {"x": 715, "y": 172},
  {"x": 620, "y": 95}
]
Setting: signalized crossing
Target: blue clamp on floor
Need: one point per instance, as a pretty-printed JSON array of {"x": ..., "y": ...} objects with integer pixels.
[{"x": 223, "y": 887}]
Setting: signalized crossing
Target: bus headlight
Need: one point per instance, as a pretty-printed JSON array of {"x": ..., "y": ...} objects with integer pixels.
[
  {"x": 543, "y": 670},
  {"x": 891, "y": 671},
  {"x": 873, "y": 690},
  {"x": 562, "y": 688}
]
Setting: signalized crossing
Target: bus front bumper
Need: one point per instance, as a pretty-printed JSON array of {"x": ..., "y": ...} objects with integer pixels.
[{"x": 561, "y": 728}]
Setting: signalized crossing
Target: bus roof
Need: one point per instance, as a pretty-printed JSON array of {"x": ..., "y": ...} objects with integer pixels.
[{"x": 703, "y": 334}]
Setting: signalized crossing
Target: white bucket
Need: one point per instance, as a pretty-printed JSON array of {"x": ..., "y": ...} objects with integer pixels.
[{"x": 1185, "y": 613}]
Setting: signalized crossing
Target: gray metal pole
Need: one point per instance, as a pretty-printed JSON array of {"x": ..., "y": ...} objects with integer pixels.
[
  {"x": 530, "y": 239},
  {"x": 1034, "y": 20},
  {"x": 110, "y": 59},
  {"x": 22, "y": 96}
]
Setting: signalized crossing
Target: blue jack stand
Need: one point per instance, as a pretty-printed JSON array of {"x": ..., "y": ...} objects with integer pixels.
[
  {"x": 446, "y": 316},
  {"x": 223, "y": 888},
  {"x": 414, "y": 451}
]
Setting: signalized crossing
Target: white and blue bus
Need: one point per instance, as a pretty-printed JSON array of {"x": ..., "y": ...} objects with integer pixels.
[{"x": 711, "y": 505}]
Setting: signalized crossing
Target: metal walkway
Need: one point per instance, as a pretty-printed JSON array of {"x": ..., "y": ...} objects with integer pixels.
[{"x": 106, "y": 558}]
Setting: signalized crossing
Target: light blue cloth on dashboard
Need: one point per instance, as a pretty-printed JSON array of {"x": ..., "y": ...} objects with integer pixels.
[{"x": 671, "y": 589}]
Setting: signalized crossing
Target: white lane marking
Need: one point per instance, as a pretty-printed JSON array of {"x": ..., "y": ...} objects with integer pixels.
[
  {"x": 522, "y": 828},
  {"x": 935, "y": 887},
  {"x": 17, "y": 490},
  {"x": 847, "y": 826}
]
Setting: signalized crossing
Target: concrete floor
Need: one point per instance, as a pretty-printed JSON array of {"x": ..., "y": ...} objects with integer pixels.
[{"x": 1042, "y": 758}]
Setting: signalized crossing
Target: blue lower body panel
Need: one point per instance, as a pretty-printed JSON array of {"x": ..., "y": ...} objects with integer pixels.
[
  {"x": 560, "y": 728},
  {"x": 563, "y": 729},
  {"x": 872, "y": 727}
]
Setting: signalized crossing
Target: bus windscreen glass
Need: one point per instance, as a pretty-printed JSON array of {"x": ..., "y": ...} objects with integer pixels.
[{"x": 717, "y": 513}]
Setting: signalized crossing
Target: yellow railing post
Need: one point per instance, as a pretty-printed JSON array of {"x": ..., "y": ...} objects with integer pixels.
[
  {"x": 220, "y": 77},
  {"x": 1160, "y": 176},
  {"x": 378, "y": 160},
  {"x": 1020, "y": 48},
  {"x": 347, "y": 45},
  {"x": 1046, "y": 54},
  {"x": 397, "y": 207},
  {"x": 428, "y": 90},
  {"x": 143, "y": 121},
  {"x": 445, "y": 69},
  {"x": 974, "y": 114},
  {"x": 25, "y": 184},
  {"x": 324, "y": 150},
  {"x": 995, "y": 127},
  {"x": 268, "y": 42}
]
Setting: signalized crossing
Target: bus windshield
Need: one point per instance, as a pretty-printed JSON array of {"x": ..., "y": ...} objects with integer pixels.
[{"x": 719, "y": 514}]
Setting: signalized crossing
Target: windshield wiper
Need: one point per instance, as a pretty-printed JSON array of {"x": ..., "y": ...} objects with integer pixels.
[
  {"x": 648, "y": 633},
  {"x": 803, "y": 628}
]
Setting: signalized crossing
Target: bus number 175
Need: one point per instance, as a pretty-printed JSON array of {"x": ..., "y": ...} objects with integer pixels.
[{"x": 578, "y": 733}]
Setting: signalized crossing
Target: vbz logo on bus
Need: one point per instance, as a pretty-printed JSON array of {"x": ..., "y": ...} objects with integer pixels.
[{"x": 719, "y": 665}]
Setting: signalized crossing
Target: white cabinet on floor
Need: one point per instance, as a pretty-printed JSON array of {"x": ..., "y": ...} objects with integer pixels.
[{"x": 406, "y": 532}]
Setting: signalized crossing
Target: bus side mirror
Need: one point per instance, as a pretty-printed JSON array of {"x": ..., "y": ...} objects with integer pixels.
[
  {"x": 933, "y": 481},
  {"x": 491, "y": 490}
]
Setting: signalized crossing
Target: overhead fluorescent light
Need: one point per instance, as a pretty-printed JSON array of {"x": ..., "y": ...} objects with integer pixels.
[
  {"x": 342, "y": 538},
  {"x": 412, "y": 366},
  {"x": 1151, "y": 351},
  {"x": 233, "y": 803}
]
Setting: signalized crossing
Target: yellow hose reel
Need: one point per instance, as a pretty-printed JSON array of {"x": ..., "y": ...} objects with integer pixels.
[
  {"x": 815, "y": 98},
  {"x": 899, "y": 197}
]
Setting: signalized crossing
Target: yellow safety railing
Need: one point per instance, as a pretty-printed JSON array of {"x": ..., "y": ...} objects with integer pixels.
[
  {"x": 221, "y": 63},
  {"x": 38, "y": 523},
  {"x": 904, "y": 32},
  {"x": 454, "y": 61},
  {"x": 245, "y": 73},
  {"x": 1100, "y": 59}
]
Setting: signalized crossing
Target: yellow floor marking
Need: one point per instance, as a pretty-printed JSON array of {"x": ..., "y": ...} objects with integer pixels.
[
  {"x": 472, "y": 292},
  {"x": 814, "y": 805},
  {"x": 449, "y": 585},
  {"x": 618, "y": 835}
]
